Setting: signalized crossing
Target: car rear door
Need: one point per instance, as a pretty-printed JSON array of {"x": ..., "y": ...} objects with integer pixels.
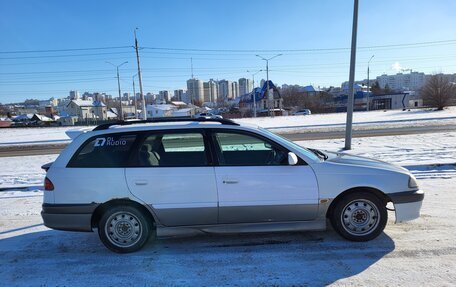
[
  {"x": 256, "y": 184},
  {"x": 172, "y": 172}
]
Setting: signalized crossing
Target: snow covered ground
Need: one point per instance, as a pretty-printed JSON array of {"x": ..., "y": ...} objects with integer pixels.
[
  {"x": 23, "y": 171},
  {"x": 417, "y": 253},
  {"x": 405, "y": 150},
  {"x": 34, "y": 135},
  {"x": 288, "y": 124},
  {"x": 371, "y": 117}
]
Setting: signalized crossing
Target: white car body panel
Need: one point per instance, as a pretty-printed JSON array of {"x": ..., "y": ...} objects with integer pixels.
[
  {"x": 407, "y": 211},
  {"x": 267, "y": 188},
  {"x": 166, "y": 189},
  {"x": 87, "y": 185}
]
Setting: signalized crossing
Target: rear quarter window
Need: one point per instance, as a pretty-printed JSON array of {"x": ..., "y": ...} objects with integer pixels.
[{"x": 104, "y": 151}]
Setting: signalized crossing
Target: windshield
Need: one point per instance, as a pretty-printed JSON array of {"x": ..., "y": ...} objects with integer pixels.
[{"x": 310, "y": 153}]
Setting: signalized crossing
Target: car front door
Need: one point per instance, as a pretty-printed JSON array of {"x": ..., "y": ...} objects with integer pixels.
[
  {"x": 173, "y": 173},
  {"x": 256, "y": 184}
]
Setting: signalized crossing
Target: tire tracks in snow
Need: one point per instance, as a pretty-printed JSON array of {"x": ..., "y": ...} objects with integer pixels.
[{"x": 433, "y": 171}]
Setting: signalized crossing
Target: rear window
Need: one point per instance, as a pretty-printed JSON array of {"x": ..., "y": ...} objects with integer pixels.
[
  {"x": 104, "y": 151},
  {"x": 172, "y": 150}
]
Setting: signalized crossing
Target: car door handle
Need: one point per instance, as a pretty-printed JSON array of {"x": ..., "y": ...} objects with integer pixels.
[
  {"x": 230, "y": 181},
  {"x": 141, "y": 182}
]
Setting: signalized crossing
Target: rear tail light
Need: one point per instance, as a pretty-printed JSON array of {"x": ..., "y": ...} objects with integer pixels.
[{"x": 48, "y": 185}]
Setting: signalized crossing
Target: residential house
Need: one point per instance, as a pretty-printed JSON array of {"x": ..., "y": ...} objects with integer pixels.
[
  {"x": 159, "y": 111},
  {"x": 87, "y": 109},
  {"x": 263, "y": 105}
]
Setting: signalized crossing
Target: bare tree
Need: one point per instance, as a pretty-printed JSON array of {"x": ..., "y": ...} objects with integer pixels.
[
  {"x": 319, "y": 102},
  {"x": 4, "y": 111},
  {"x": 439, "y": 92}
]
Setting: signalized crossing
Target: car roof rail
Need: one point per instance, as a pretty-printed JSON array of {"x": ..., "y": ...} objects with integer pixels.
[{"x": 164, "y": 120}]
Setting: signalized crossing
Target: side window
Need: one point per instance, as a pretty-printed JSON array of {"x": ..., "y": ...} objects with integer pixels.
[
  {"x": 240, "y": 149},
  {"x": 172, "y": 150},
  {"x": 104, "y": 151}
]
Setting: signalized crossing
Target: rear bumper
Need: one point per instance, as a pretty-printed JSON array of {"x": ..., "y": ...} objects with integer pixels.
[
  {"x": 407, "y": 204},
  {"x": 70, "y": 217}
]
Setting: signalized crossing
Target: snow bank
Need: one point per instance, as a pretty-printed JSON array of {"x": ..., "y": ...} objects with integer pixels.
[{"x": 358, "y": 117}]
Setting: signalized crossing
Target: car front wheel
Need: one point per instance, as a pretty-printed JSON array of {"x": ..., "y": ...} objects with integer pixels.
[
  {"x": 360, "y": 216},
  {"x": 124, "y": 229}
]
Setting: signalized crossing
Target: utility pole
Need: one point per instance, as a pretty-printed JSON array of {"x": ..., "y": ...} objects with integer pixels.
[
  {"x": 143, "y": 102},
  {"x": 253, "y": 91},
  {"x": 134, "y": 96},
  {"x": 118, "y": 86},
  {"x": 351, "y": 96},
  {"x": 267, "y": 81},
  {"x": 368, "y": 83}
]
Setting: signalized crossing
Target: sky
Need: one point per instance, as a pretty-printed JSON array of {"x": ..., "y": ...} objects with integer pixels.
[{"x": 222, "y": 38}]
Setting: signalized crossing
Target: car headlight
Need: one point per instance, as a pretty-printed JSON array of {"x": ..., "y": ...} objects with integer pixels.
[{"x": 412, "y": 182}]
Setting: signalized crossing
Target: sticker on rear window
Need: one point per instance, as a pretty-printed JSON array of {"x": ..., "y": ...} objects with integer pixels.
[{"x": 109, "y": 141}]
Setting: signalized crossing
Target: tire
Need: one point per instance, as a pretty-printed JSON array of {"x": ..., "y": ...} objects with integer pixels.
[
  {"x": 359, "y": 216},
  {"x": 124, "y": 229}
]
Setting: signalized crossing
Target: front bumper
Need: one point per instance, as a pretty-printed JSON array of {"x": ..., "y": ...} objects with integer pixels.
[
  {"x": 70, "y": 217},
  {"x": 407, "y": 205}
]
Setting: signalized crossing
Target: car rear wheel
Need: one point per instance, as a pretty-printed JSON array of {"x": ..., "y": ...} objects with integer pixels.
[
  {"x": 124, "y": 229},
  {"x": 359, "y": 216}
]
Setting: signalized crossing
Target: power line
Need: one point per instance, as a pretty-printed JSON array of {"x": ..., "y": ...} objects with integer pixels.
[
  {"x": 302, "y": 50},
  {"x": 64, "y": 50},
  {"x": 66, "y": 61},
  {"x": 64, "y": 56},
  {"x": 226, "y": 68},
  {"x": 426, "y": 43}
]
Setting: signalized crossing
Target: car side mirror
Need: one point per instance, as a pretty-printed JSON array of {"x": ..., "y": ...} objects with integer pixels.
[{"x": 292, "y": 159}]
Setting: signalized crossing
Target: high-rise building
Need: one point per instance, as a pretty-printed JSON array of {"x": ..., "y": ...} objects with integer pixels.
[
  {"x": 245, "y": 86},
  {"x": 195, "y": 90},
  {"x": 164, "y": 96},
  {"x": 210, "y": 91},
  {"x": 74, "y": 95},
  {"x": 149, "y": 98},
  {"x": 398, "y": 82},
  {"x": 225, "y": 90},
  {"x": 413, "y": 81},
  {"x": 87, "y": 96},
  {"x": 99, "y": 97},
  {"x": 235, "y": 89},
  {"x": 178, "y": 94}
]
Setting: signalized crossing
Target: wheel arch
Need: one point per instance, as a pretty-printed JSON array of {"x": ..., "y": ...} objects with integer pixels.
[
  {"x": 382, "y": 196},
  {"x": 97, "y": 214}
]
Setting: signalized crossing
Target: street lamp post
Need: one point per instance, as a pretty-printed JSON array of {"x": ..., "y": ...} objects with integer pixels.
[
  {"x": 134, "y": 97},
  {"x": 267, "y": 78},
  {"x": 118, "y": 85},
  {"x": 254, "y": 98},
  {"x": 368, "y": 82},
  {"x": 143, "y": 101},
  {"x": 351, "y": 80}
]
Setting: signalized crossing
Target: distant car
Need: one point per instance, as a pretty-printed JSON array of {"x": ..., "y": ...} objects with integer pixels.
[
  {"x": 133, "y": 181},
  {"x": 208, "y": 116},
  {"x": 304, "y": 112}
]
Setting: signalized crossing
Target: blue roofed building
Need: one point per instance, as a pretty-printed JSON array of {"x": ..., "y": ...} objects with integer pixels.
[{"x": 259, "y": 96}]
